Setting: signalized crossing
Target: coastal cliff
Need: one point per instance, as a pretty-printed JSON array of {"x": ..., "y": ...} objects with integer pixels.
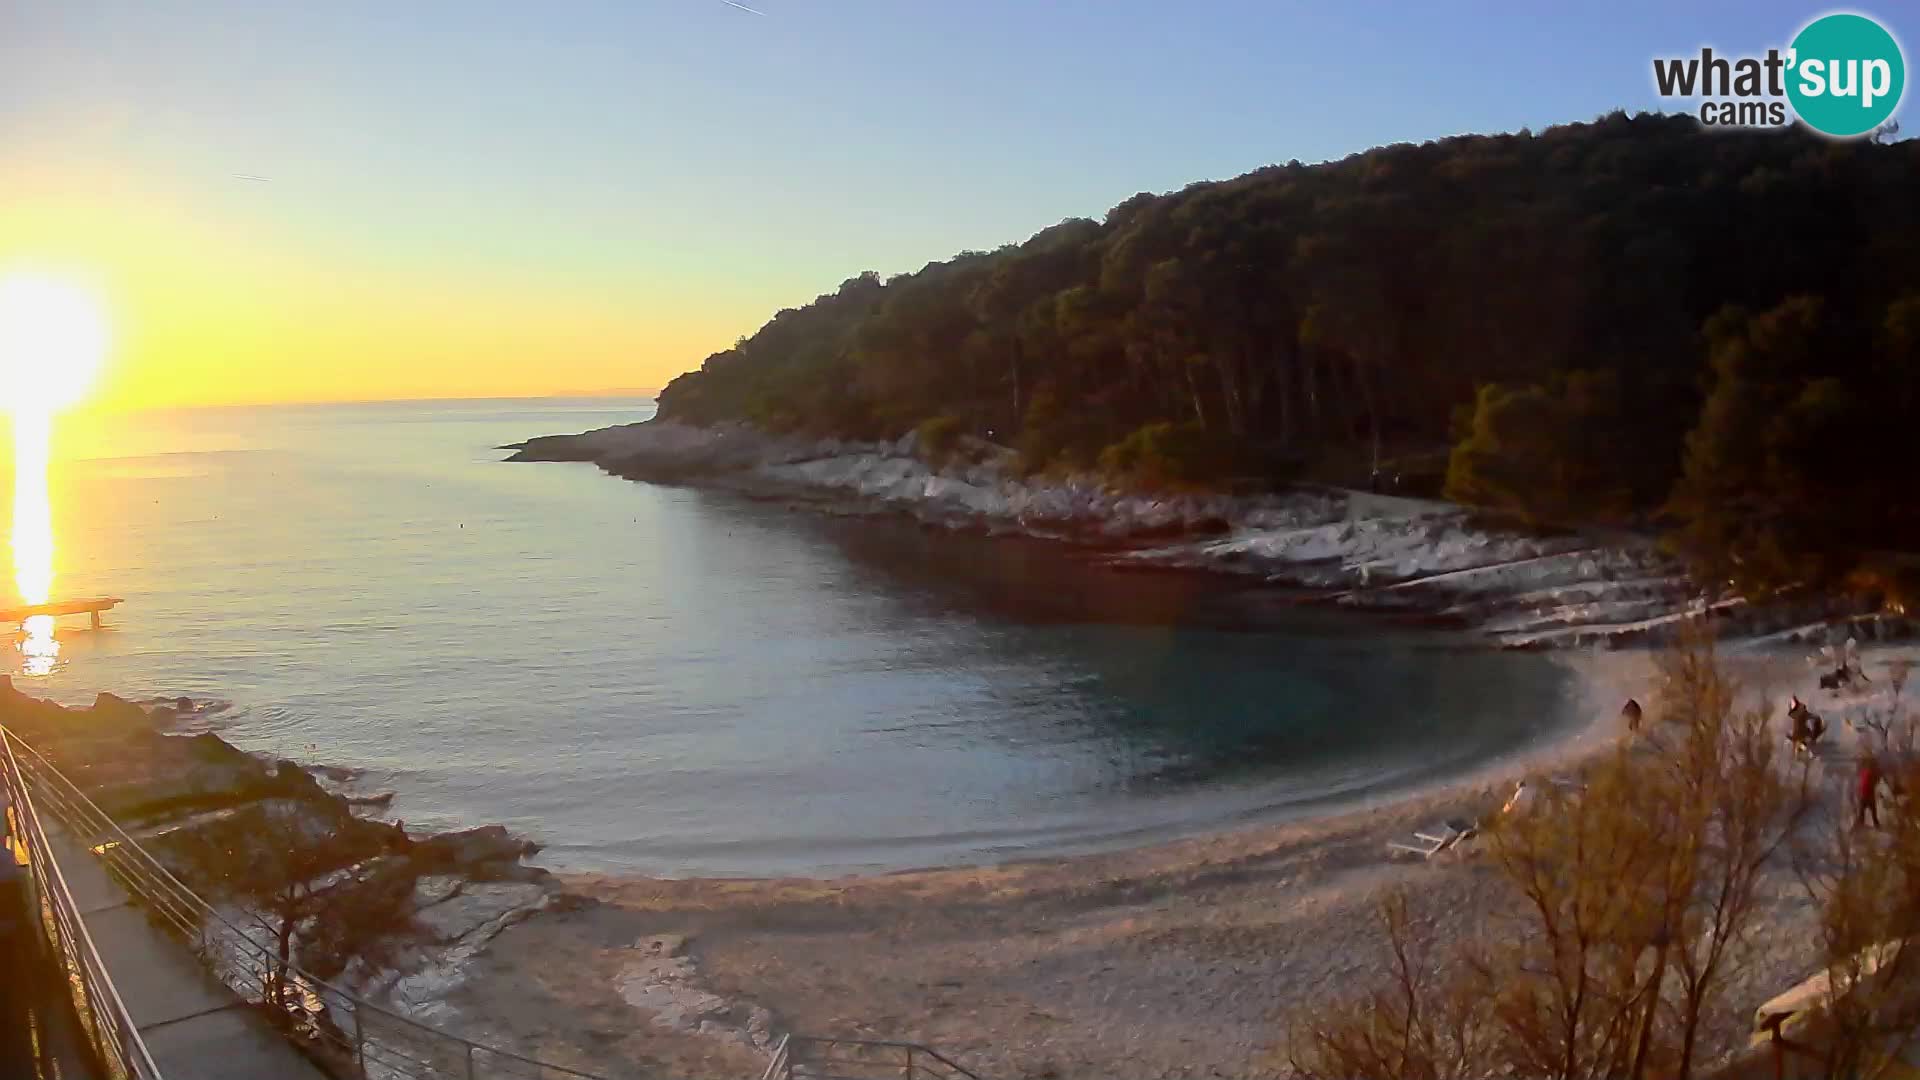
[
  {"x": 366, "y": 905},
  {"x": 1417, "y": 558}
]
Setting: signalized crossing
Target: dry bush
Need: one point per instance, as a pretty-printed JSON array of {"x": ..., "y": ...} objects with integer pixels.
[
  {"x": 1425, "y": 1024},
  {"x": 1631, "y": 898},
  {"x": 1865, "y": 885}
]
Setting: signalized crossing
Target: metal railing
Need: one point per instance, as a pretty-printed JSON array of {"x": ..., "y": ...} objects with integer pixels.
[
  {"x": 344, "y": 1031},
  {"x": 778, "y": 1067},
  {"x": 104, "y": 1021},
  {"x": 812, "y": 1057}
]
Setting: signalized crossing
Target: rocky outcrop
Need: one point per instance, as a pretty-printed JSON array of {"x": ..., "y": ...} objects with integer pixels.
[
  {"x": 1412, "y": 558},
  {"x": 1409, "y": 557},
  {"x": 473, "y": 847},
  {"x": 219, "y": 819},
  {"x": 974, "y": 487},
  {"x": 661, "y": 977}
]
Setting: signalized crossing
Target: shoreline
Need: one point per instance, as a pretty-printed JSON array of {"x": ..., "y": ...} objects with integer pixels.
[
  {"x": 1417, "y": 559},
  {"x": 482, "y": 908},
  {"x": 1046, "y": 964},
  {"x": 1578, "y": 729},
  {"x": 493, "y": 906},
  {"x": 1588, "y": 729},
  {"x": 718, "y": 966},
  {"x": 1565, "y": 746},
  {"x": 1180, "y": 959},
  {"x": 1116, "y": 963}
]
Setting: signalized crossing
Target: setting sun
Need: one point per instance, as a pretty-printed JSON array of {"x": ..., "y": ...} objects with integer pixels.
[{"x": 53, "y": 336}]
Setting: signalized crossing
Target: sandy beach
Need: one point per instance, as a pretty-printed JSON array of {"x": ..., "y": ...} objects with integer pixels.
[{"x": 1180, "y": 960}]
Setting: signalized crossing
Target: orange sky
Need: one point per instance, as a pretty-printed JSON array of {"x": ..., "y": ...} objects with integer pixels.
[
  {"x": 483, "y": 202},
  {"x": 489, "y": 199},
  {"x": 206, "y": 311}
]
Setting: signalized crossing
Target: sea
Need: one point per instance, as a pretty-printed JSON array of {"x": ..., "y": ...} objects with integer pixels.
[{"x": 676, "y": 681}]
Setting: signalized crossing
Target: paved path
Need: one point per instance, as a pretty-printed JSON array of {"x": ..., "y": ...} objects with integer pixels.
[{"x": 195, "y": 1027}]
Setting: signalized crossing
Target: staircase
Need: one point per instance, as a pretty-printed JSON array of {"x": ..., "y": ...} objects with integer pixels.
[{"x": 809, "y": 1057}]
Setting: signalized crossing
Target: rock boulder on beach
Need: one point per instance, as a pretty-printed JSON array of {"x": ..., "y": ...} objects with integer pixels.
[{"x": 471, "y": 848}]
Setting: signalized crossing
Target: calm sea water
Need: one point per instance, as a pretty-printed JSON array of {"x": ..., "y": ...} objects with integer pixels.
[{"x": 675, "y": 681}]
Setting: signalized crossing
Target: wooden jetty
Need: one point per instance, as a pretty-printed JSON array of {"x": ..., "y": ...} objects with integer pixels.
[{"x": 91, "y": 606}]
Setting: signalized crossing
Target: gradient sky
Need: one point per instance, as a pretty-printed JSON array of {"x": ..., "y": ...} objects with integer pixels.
[{"x": 475, "y": 198}]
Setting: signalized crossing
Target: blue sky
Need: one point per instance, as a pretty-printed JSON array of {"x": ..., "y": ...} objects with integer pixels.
[{"x": 701, "y": 165}]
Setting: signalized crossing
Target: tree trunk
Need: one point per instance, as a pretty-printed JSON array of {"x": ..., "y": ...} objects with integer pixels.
[
  {"x": 1646, "y": 1024},
  {"x": 1283, "y": 392},
  {"x": 1373, "y": 410},
  {"x": 1687, "y": 1040},
  {"x": 1193, "y": 388},
  {"x": 1231, "y": 402},
  {"x": 283, "y": 961},
  {"x": 1339, "y": 409},
  {"x": 1019, "y": 409},
  {"x": 1312, "y": 389}
]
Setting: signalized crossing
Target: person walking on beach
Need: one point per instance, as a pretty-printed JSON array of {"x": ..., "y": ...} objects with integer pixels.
[
  {"x": 1867, "y": 806},
  {"x": 1520, "y": 802}
]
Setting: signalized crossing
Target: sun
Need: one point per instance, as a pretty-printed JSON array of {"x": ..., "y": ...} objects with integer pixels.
[{"x": 53, "y": 336}]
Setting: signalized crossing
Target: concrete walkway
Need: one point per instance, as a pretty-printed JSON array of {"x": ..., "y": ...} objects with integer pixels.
[{"x": 195, "y": 1027}]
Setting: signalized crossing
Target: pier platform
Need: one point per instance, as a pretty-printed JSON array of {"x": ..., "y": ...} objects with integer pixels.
[{"x": 90, "y": 606}]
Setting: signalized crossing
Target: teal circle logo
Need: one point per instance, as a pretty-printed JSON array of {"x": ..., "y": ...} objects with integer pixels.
[{"x": 1846, "y": 75}]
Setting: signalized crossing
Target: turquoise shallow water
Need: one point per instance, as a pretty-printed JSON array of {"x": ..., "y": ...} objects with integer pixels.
[{"x": 667, "y": 680}]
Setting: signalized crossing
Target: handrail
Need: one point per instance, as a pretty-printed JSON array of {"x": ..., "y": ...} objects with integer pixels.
[
  {"x": 382, "y": 1044},
  {"x": 777, "y": 1068},
  {"x": 109, "y": 1026}
]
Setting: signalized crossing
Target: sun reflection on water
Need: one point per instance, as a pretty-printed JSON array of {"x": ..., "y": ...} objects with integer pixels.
[
  {"x": 33, "y": 537},
  {"x": 39, "y": 649},
  {"x": 52, "y": 338}
]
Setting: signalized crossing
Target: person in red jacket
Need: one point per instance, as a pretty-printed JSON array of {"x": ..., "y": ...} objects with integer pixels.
[{"x": 1869, "y": 786}]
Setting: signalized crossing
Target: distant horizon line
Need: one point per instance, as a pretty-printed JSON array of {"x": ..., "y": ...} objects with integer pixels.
[{"x": 576, "y": 395}]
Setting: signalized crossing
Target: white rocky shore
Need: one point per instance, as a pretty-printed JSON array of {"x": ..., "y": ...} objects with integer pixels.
[{"x": 1416, "y": 557}]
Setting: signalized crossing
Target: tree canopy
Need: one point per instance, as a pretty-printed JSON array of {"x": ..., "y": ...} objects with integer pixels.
[{"x": 1625, "y": 320}]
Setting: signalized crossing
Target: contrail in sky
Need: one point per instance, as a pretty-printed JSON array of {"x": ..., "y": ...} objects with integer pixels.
[
  {"x": 742, "y": 7},
  {"x": 249, "y": 176}
]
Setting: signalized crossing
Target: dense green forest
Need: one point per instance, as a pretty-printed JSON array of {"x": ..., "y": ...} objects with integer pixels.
[{"x": 1635, "y": 321}]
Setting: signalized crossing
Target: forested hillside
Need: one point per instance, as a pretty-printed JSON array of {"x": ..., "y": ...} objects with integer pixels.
[{"x": 1628, "y": 321}]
